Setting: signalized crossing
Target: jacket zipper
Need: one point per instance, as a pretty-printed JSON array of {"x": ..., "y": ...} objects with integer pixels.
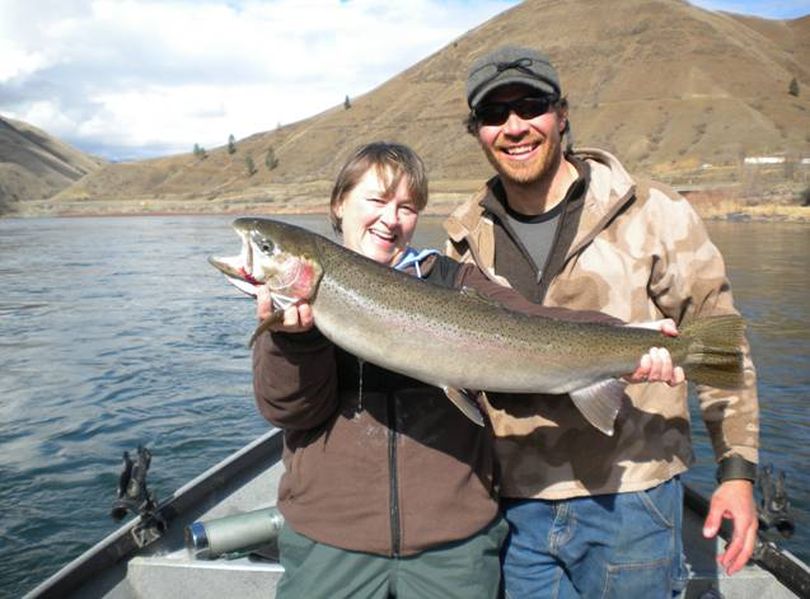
[{"x": 393, "y": 482}]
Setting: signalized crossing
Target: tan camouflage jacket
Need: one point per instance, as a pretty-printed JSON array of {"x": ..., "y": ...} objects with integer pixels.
[{"x": 637, "y": 251}]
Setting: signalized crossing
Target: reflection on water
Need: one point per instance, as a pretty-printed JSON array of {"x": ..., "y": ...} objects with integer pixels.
[{"x": 115, "y": 332}]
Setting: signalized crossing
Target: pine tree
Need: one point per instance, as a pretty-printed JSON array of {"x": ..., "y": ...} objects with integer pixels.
[
  {"x": 346, "y": 103},
  {"x": 231, "y": 144},
  {"x": 270, "y": 160},
  {"x": 793, "y": 88},
  {"x": 250, "y": 165}
]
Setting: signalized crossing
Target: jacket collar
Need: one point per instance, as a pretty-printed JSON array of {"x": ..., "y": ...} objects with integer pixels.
[{"x": 611, "y": 188}]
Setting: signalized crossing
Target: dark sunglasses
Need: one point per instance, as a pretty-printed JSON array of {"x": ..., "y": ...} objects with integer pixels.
[{"x": 496, "y": 113}]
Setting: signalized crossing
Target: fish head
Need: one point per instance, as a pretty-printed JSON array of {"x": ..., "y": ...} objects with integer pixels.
[{"x": 281, "y": 256}]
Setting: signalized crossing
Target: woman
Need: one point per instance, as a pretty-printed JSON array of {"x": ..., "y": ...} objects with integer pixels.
[{"x": 389, "y": 490}]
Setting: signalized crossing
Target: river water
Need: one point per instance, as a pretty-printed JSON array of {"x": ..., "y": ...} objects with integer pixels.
[{"x": 116, "y": 332}]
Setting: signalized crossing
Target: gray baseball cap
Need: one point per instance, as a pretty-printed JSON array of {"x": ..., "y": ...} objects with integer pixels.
[{"x": 511, "y": 64}]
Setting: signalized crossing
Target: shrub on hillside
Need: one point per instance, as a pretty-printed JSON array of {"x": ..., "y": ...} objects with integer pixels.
[
  {"x": 804, "y": 197},
  {"x": 270, "y": 160},
  {"x": 250, "y": 165},
  {"x": 793, "y": 88}
]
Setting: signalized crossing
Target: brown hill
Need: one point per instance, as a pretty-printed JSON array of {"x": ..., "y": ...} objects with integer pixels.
[
  {"x": 34, "y": 165},
  {"x": 675, "y": 90}
]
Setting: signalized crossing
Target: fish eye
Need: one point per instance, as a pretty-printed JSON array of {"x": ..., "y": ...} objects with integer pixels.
[{"x": 263, "y": 243}]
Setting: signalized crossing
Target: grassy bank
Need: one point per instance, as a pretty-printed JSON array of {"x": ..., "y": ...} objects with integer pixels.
[
  {"x": 730, "y": 204},
  {"x": 714, "y": 203}
]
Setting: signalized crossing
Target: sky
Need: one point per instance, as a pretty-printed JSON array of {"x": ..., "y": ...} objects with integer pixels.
[{"x": 133, "y": 79}]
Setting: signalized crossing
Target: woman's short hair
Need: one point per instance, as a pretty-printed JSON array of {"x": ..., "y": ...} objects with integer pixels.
[{"x": 393, "y": 161}]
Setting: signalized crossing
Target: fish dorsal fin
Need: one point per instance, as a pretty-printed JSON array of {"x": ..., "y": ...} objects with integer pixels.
[
  {"x": 462, "y": 400},
  {"x": 600, "y": 403},
  {"x": 476, "y": 295}
]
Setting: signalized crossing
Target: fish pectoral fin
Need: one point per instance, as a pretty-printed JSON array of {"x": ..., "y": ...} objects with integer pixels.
[
  {"x": 274, "y": 318},
  {"x": 600, "y": 403},
  {"x": 463, "y": 401}
]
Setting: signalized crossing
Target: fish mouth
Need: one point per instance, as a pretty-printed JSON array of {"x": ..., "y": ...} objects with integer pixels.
[
  {"x": 236, "y": 275},
  {"x": 233, "y": 268},
  {"x": 238, "y": 269}
]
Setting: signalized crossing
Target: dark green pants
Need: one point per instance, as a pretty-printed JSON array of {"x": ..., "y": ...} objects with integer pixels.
[{"x": 468, "y": 568}]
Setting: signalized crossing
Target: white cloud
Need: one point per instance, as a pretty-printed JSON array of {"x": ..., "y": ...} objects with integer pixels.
[
  {"x": 17, "y": 62},
  {"x": 117, "y": 76}
]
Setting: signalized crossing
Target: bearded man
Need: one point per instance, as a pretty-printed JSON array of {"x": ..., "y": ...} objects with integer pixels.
[{"x": 594, "y": 515}]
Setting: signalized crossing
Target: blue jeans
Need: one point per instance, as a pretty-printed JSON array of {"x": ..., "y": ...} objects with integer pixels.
[{"x": 621, "y": 545}]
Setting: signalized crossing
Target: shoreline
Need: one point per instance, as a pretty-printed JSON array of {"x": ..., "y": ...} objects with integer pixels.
[
  {"x": 748, "y": 217},
  {"x": 710, "y": 205},
  {"x": 758, "y": 213}
]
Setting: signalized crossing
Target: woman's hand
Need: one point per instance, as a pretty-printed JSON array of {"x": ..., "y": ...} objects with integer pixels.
[
  {"x": 656, "y": 365},
  {"x": 296, "y": 319}
]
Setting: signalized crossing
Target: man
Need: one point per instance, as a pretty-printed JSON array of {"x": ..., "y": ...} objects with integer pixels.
[{"x": 589, "y": 514}]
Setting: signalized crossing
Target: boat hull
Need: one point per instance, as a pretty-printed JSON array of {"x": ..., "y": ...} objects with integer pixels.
[{"x": 117, "y": 568}]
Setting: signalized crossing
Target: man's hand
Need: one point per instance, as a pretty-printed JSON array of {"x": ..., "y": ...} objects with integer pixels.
[
  {"x": 734, "y": 500},
  {"x": 656, "y": 364},
  {"x": 297, "y": 318}
]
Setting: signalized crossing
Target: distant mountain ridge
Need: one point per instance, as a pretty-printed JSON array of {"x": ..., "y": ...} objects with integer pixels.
[
  {"x": 35, "y": 165},
  {"x": 675, "y": 91}
]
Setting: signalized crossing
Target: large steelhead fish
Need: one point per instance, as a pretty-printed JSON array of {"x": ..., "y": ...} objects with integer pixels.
[{"x": 455, "y": 339}]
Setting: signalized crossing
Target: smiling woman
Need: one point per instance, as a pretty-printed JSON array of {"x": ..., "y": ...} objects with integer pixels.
[
  {"x": 377, "y": 199},
  {"x": 387, "y": 476}
]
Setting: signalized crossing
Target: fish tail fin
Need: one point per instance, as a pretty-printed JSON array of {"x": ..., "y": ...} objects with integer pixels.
[{"x": 714, "y": 357}]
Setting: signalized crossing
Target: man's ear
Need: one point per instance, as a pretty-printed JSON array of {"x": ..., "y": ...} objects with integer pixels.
[
  {"x": 563, "y": 118},
  {"x": 563, "y": 114}
]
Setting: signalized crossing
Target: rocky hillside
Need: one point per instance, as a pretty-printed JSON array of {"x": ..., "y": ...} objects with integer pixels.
[
  {"x": 34, "y": 165},
  {"x": 675, "y": 90}
]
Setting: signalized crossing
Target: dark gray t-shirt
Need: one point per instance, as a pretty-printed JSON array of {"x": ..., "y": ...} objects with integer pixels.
[{"x": 536, "y": 233}]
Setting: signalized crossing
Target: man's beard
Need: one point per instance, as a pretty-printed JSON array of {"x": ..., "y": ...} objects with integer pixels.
[{"x": 541, "y": 167}]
